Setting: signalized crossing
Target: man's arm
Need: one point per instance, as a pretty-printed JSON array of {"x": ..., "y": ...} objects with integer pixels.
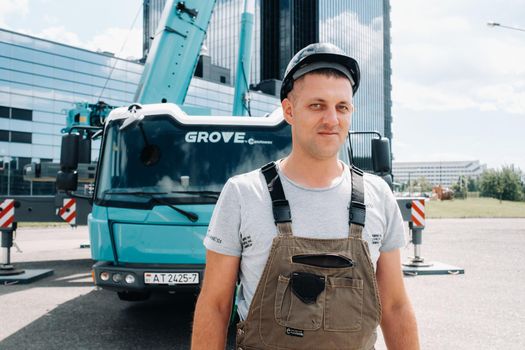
[
  {"x": 398, "y": 322},
  {"x": 214, "y": 305}
]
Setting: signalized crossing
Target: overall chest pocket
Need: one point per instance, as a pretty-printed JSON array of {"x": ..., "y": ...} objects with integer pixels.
[
  {"x": 299, "y": 301},
  {"x": 343, "y": 304}
]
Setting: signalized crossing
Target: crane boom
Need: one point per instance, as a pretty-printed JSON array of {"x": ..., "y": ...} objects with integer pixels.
[{"x": 174, "y": 54}]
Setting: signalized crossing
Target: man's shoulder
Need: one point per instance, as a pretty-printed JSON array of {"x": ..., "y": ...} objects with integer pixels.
[
  {"x": 249, "y": 181},
  {"x": 375, "y": 184}
]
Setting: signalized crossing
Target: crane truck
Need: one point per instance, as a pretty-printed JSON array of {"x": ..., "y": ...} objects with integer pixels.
[{"x": 162, "y": 165}]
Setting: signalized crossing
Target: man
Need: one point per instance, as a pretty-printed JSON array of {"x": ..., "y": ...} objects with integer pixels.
[{"x": 317, "y": 268}]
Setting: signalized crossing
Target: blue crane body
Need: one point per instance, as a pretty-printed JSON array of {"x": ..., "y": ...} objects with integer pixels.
[{"x": 156, "y": 185}]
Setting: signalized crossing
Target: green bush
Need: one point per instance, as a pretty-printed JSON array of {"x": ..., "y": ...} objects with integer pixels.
[{"x": 504, "y": 184}]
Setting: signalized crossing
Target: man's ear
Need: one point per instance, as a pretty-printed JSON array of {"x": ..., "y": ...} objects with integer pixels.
[{"x": 287, "y": 107}]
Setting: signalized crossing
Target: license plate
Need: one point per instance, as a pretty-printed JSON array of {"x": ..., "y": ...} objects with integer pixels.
[{"x": 171, "y": 278}]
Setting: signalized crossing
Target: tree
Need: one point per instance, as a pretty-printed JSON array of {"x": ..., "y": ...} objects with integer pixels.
[
  {"x": 460, "y": 188},
  {"x": 504, "y": 184},
  {"x": 424, "y": 184},
  {"x": 472, "y": 184},
  {"x": 511, "y": 179}
]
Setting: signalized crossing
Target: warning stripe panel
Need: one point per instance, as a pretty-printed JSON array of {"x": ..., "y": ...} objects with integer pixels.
[
  {"x": 9, "y": 222},
  {"x": 68, "y": 205},
  {"x": 416, "y": 209},
  {"x": 6, "y": 207},
  {"x": 418, "y": 220},
  {"x": 7, "y": 215},
  {"x": 71, "y": 217},
  {"x": 418, "y": 212},
  {"x": 68, "y": 211},
  {"x": 6, "y": 202}
]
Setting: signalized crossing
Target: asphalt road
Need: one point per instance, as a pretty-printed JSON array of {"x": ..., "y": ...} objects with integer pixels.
[{"x": 483, "y": 309}]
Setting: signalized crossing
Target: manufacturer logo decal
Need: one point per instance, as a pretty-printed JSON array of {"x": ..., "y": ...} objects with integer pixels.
[
  {"x": 215, "y": 136},
  {"x": 222, "y": 136}
]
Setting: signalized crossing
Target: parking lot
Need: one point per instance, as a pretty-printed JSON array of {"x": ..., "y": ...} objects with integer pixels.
[{"x": 482, "y": 309}]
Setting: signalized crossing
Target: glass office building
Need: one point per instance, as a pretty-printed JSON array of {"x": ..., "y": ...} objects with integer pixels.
[{"x": 40, "y": 80}]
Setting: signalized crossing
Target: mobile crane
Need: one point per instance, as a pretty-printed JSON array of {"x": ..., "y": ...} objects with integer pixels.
[{"x": 162, "y": 165}]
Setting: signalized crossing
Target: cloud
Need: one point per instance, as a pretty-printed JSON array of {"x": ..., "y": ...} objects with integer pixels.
[
  {"x": 60, "y": 35},
  {"x": 419, "y": 97},
  {"x": 110, "y": 40},
  {"x": 12, "y": 8},
  {"x": 113, "y": 39},
  {"x": 445, "y": 59},
  {"x": 347, "y": 30}
]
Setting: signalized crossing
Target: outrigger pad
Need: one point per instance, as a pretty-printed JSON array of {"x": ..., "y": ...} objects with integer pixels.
[
  {"x": 436, "y": 268},
  {"x": 27, "y": 277}
]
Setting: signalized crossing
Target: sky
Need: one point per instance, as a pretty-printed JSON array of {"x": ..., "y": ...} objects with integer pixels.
[{"x": 458, "y": 85}]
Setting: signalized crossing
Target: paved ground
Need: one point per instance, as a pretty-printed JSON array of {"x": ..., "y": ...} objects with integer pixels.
[{"x": 483, "y": 309}]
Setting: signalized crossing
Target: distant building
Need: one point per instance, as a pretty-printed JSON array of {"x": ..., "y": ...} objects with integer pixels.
[{"x": 437, "y": 173}]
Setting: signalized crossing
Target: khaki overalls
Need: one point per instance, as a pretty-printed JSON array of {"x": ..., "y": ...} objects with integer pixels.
[{"x": 314, "y": 293}]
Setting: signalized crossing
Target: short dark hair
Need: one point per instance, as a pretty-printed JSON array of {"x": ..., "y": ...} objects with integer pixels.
[{"x": 327, "y": 72}]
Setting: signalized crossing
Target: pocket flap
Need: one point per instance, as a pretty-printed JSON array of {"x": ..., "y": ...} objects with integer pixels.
[
  {"x": 307, "y": 286},
  {"x": 323, "y": 260},
  {"x": 345, "y": 282}
]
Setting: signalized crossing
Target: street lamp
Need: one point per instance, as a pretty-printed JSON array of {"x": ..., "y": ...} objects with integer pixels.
[{"x": 495, "y": 24}]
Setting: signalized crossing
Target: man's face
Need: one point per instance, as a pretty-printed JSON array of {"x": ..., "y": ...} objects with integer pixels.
[{"x": 319, "y": 109}]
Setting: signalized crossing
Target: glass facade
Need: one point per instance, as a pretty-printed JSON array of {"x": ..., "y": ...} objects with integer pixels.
[
  {"x": 40, "y": 80},
  {"x": 362, "y": 29},
  {"x": 289, "y": 25},
  {"x": 152, "y": 11},
  {"x": 222, "y": 38}
]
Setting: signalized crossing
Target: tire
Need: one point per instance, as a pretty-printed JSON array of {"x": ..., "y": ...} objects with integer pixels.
[{"x": 133, "y": 296}]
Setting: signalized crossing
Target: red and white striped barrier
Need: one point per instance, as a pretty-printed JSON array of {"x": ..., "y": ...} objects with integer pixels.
[
  {"x": 418, "y": 213},
  {"x": 68, "y": 211},
  {"x": 7, "y": 214}
]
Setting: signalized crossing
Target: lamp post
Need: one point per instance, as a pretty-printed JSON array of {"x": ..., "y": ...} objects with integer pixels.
[{"x": 496, "y": 24}]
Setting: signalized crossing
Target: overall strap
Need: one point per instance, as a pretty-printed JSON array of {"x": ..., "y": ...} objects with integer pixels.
[
  {"x": 357, "y": 210},
  {"x": 280, "y": 206}
]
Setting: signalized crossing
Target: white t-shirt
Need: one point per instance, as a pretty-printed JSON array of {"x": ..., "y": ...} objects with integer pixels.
[{"x": 243, "y": 225}]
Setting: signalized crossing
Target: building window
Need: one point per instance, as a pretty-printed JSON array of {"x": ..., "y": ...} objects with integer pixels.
[
  {"x": 21, "y": 114},
  {"x": 4, "y": 135},
  {"x": 4, "y": 112},
  {"x": 22, "y": 137},
  {"x": 16, "y": 113}
]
